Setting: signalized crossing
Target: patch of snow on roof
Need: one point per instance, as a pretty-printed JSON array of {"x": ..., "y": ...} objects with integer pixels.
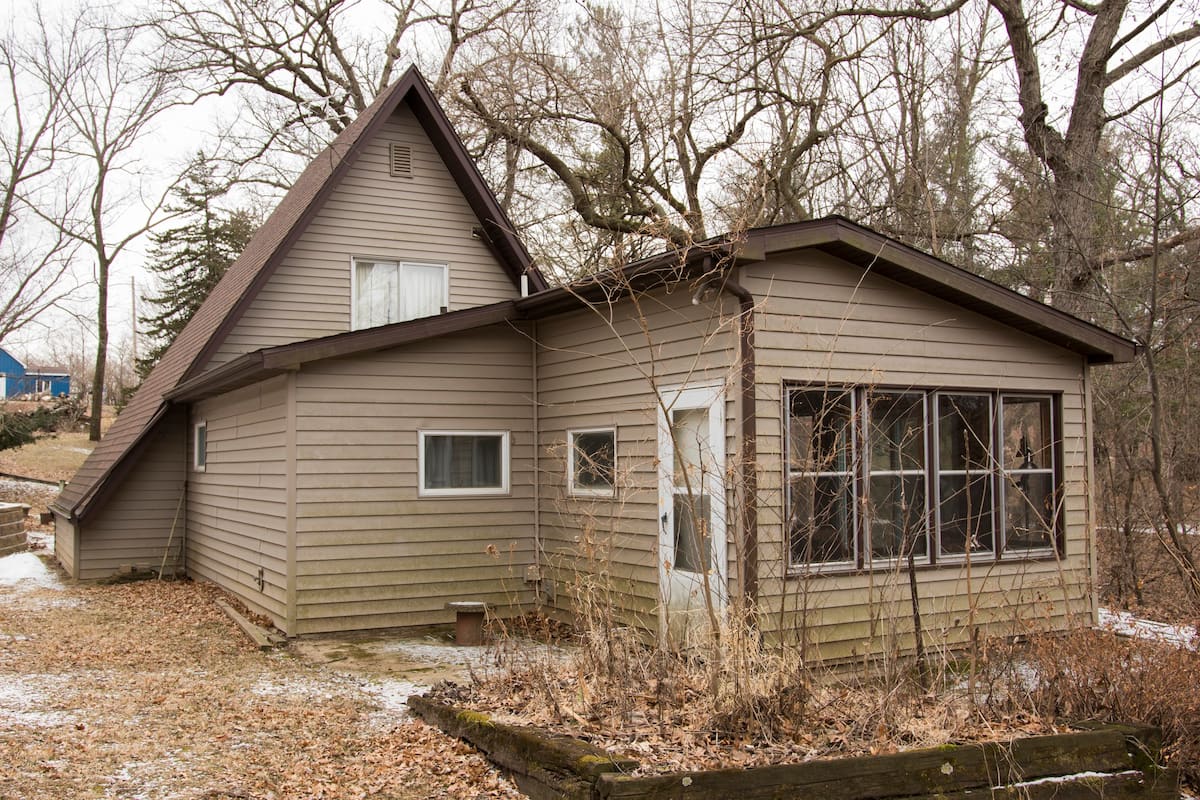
[
  {"x": 26, "y": 568},
  {"x": 1123, "y": 623}
]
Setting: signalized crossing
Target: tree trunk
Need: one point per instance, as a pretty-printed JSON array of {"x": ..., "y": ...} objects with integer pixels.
[{"x": 101, "y": 353}]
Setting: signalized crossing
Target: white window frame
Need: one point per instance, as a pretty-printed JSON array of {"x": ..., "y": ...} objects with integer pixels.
[
  {"x": 401, "y": 263},
  {"x": 483, "y": 491},
  {"x": 199, "y": 454},
  {"x": 584, "y": 491}
]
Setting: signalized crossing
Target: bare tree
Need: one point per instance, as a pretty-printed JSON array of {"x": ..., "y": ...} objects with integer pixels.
[
  {"x": 306, "y": 68},
  {"x": 1119, "y": 41},
  {"x": 109, "y": 108},
  {"x": 35, "y": 257}
]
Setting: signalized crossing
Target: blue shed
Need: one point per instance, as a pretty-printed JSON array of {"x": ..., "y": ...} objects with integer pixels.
[{"x": 19, "y": 382}]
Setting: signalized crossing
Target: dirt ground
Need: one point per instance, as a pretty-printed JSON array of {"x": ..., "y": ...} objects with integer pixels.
[{"x": 147, "y": 690}]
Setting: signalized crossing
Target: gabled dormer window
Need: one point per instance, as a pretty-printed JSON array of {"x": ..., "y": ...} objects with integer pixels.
[{"x": 395, "y": 291}]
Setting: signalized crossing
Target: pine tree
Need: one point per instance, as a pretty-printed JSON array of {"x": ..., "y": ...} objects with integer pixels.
[{"x": 189, "y": 259}]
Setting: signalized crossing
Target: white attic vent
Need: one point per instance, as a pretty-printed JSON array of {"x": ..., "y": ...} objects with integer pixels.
[{"x": 400, "y": 160}]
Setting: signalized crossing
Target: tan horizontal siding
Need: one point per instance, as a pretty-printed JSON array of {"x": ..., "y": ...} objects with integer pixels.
[
  {"x": 371, "y": 215},
  {"x": 821, "y": 320},
  {"x": 134, "y": 526},
  {"x": 65, "y": 545},
  {"x": 599, "y": 370},
  {"x": 370, "y": 551},
  {"x": 237, "y": 510}
]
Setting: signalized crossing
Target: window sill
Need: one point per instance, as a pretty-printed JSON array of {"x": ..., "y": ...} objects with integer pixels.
[
  {"x": 887, "y": 567},
  {"x": 436, "y": 494}
]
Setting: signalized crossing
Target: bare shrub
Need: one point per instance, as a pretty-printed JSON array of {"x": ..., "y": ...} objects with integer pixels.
[{"x": 1098, "y": 675}]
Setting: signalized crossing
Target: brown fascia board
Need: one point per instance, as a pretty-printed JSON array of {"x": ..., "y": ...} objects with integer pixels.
[
  {"x": 892, "y": 259},
  {"x": 269, "y": 362},
  {"x": 411, "y": 88}
]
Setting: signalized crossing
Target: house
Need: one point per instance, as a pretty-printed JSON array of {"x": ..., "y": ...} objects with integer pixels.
[
  {"x": 383, "y": 408},
  {"x": 19, "y": 382}
]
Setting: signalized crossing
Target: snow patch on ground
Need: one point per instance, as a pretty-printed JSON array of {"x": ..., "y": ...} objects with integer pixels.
[
  {"x": 1124, "y": 623},
  {"x": 22, "y": 702},
  {"x": 40, "y": 540},
  {"x": 26, "y": 569},
  {"x": 392, "y": 696},
  {"x": 303, "y": 688}
]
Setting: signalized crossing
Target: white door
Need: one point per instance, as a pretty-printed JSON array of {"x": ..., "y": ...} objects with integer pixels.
[{"x": 691, "y": 505}]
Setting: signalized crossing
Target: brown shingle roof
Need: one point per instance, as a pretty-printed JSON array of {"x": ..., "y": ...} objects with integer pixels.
[{"x": 195, "y": 344}]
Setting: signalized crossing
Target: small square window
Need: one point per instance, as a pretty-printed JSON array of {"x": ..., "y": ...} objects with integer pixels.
[
  {"x": 592, "y": 462},
  {"x": 463, "y": 462},
  {"x": 200, "y": 446}
]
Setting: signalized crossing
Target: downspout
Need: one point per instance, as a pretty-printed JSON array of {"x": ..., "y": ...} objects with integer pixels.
[
  {"x": 749, "y": 448},
  {"x": 538, "y": 585}
]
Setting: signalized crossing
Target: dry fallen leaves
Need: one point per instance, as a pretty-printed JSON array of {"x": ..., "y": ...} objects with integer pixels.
[{"x": 148, "y": 690}]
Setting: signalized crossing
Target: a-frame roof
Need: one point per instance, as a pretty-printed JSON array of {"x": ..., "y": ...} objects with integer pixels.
[{"x": 196, "y": 343}]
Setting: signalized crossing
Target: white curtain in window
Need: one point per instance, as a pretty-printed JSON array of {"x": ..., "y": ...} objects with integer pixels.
[
  {"x": 376, "y": 295},
  {"x": 423, "y": 290}
]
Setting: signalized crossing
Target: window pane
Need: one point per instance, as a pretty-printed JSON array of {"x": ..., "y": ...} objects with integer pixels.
[
  {"x": 693, "y": 547},
  {"x": 201, "y": 445},
  {"x": 1029, "y": 510},
  {"x": 376, "y": 295},
  {"x": 966, "y": 513},
  {"x": 964, "y": 432},
  {"x": 1027, "y": 437},
  {"x": 593, "y": 454},
  {"x": 693, "y": 450},
  {"x": 821, "y": 496},
  {"x": 819, "y": 432},
  {"x": 422, "y": 291},
  {"x": 897, "y": 432},
  {"x": 897, "y": 510},
  {"x": 822, "y": 521},
  {"x": 464, "y": 462}
]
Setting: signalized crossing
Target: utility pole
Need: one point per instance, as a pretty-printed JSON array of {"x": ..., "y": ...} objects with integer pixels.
[{"x": 133, "y": 314}]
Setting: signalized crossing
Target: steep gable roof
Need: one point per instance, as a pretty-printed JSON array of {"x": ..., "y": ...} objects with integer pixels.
[{"x": 196, "y": 343}]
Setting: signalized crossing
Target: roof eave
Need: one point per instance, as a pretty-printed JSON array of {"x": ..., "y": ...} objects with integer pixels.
[
  {"x": 272, "y": 361},
  {"x": 892, "y": 259}
]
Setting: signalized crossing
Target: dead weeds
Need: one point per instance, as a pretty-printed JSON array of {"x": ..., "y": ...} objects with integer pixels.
[{"x": 148, "y": 690}]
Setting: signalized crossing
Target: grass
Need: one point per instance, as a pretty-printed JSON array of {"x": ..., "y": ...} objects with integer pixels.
[{"x": 53, "y": 457}]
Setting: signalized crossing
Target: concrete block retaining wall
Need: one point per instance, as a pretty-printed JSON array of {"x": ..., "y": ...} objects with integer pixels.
[{"x": 12, "y": 528}]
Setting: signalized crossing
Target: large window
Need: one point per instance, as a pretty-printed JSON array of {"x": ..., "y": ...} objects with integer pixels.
[
  {"x": 939, "y": 476},
  {"x": 396, "y": 291},
  {"x": 463, "y": 462}
]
